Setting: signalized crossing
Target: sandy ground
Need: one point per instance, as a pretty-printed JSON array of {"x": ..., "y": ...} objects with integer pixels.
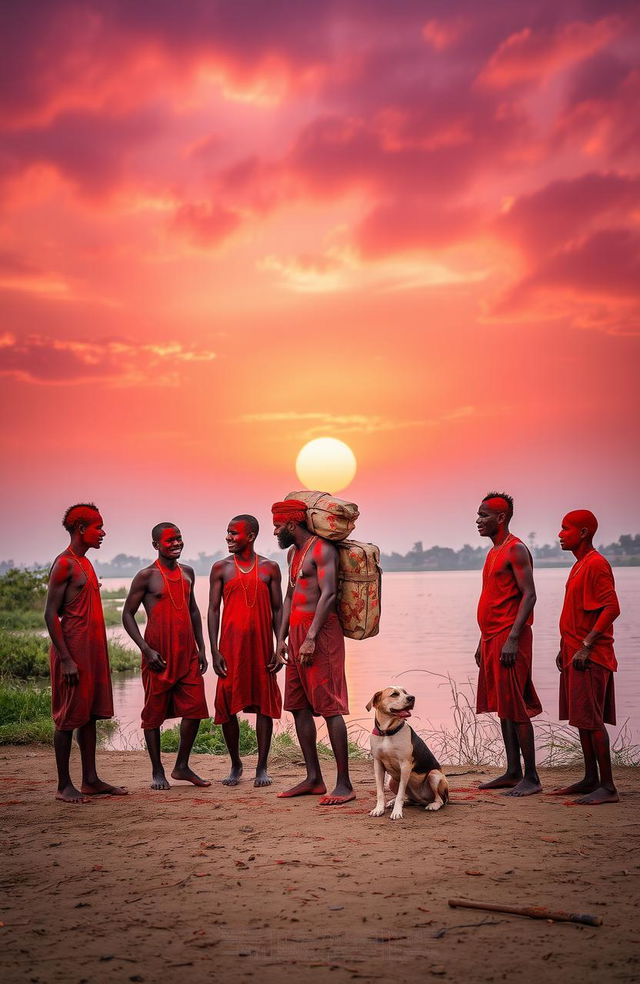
[{"x": 233, "y": 884}]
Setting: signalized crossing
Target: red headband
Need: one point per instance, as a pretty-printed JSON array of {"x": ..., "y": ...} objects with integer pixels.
[{"x": 289, "y": 511}]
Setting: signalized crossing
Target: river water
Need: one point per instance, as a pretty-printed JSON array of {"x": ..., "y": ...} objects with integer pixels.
[{"x": 428, "y": 633}]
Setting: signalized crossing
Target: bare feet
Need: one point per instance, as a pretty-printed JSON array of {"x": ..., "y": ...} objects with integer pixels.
[
  {"x": 159, "y": 781},
  {"x": 188, "y": 775},
  {"x": 71, "y": 795},
  {"x": 600, "y": 795},
  {"x": 100, "y": 788},
  {"x": 584, "y": 786},
  {"x": 305, "y": 788},
  {"x": 502, "y": 782},
  {"x": 334, "y": 799},
  {"x": 526, "y": 787},
  {"x": 262, "y": 778},
  {"x": 234, "y": 776}
]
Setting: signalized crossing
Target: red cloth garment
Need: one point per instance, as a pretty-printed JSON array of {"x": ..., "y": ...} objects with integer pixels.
[
  {"x": 508, "y": 690},
  {"x": 590, "y": 588},
  {"x": 82, "y": 623},
  {"x": 178, "y": 691},
  {"x": 322, "y": 686},
  {"x": 246, "y": 643},
  {"x": 500, "y": 597},
  {"x": 587, "y": 697}
]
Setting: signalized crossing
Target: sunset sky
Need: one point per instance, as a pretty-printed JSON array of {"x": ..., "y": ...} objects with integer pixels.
[{"x": 229, "y": 227}]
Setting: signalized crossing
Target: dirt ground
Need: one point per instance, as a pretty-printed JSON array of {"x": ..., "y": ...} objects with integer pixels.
[{"x": 223, "y": 884}]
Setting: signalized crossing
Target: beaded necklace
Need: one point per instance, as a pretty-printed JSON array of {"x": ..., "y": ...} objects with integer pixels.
[
  {"x": 294, "y": 570},
  {"x": 168, "y": 580},
  {"x": 496, "y": 551},
  {"x": 254, "y": 566}
]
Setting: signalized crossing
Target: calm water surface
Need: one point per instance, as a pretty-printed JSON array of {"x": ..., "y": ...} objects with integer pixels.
[{"x": 428, "y": 628}]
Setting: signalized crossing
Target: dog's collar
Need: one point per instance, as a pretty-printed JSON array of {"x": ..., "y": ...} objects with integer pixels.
[{"x": 389, "y": 732}]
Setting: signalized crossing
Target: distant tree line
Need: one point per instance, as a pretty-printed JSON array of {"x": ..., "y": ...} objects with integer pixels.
[{"x": 625, "y": 552}]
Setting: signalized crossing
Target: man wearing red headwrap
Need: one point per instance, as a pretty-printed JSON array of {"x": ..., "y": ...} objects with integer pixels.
[
  {"x": 80, "y": 677},
  {"x": 504, "y": 653},
  {"x": 586, "y": 659},
  {"x": 315, "y": 683}
]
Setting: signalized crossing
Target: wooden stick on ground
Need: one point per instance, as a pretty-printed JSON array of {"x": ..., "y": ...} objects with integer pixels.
[{"x": 533, "y": 911}]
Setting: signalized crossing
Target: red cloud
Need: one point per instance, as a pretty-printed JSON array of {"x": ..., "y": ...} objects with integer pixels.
[
  {"x": 403, "y": 225},
  {"x": 530, "y": 53},
  {"x": 606, "y": 263},
  {"x": 90, "y": 150},
  {"x": 553, "y": 216},
  {"x": 206, "y": 224},
  {"x": 41, "y": 359}
]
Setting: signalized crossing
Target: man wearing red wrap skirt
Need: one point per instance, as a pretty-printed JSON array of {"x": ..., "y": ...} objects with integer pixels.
[
  {"x": 315, "y": 683},
  {"x": 504, "y": 653},
  {"x": 173, "y": 655},
  {"x": 245, "y": 663},
  {"x": 586, "y": 659},
  {"x": 80, "y": 678}
]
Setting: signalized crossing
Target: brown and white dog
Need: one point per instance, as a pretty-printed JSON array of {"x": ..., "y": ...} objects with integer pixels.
[{"x": 414, "y": 772}]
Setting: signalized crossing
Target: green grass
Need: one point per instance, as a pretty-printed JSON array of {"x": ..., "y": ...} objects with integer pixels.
[
  {"x": 25, "y": 712},
  {"x": 26, "y": 654},
  {"x": 122, "y": 658},
  {"x": 284, "y": 747},
  {"x": 21, "y": 619}
]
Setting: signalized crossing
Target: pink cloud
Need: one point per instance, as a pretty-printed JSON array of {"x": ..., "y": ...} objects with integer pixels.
[
  {"x": 206, "y": 224},
  {"x": 530, "y": 53},
  {"x": 552, "y": 216},
  {"x": 90, "y": 150},
  {"x": 402, "y": 225},
  {"x": 46, "y": 360}
]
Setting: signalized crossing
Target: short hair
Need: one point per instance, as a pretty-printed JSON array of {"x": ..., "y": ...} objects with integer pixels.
[
  {"x": 159, "y": 527},
  {"x": 508, "y": 499},
  {"x": 251, "y": 521},
  {"x": 71, "y": 522}
]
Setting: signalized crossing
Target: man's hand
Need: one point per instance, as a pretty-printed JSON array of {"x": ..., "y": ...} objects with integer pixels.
[
  {"x": 70, "y": 673},
  {"x": 219, "y": 665},
  {"x": 476, "y": 655},
  {"x": 509, "y": 652},
  {"x": 582, "y": 658},
  {"x": 306, "y": 651},
  {"x": 153, "y": 660},
  {"x": 282, "y": 653},
  {"x": 202, "y": 661},
  {"x": 559, "y": 661},
  {"x": 275, "y": 664}
]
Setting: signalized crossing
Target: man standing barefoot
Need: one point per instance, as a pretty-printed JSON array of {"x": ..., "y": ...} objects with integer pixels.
[
  {"x": 245, "y": 662},
  {"x": 173, "y": 655},
  {"x": 586, "y": 659},
  {"x": 315, "y": 681},
  {"x": 80, "y": 677},
  {"x": 504, "y": 653}
]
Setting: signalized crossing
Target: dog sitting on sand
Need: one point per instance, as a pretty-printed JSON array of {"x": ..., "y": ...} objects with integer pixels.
[{"x": 414, "y": 771}]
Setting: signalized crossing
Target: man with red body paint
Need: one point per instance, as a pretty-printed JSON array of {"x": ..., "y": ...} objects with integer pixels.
[
  {"x": 504, "y": 653},
  {"x": 315, "y": 682},
  {"x": 173, "y": 654},
  {"x": 586, "y": 659},
  {"x": 80, "y": 677},
  {"x": 245, "y": 661}
]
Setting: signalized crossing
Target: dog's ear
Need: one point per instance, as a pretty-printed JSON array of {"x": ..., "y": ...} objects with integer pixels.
[{"x": 374, "y": 700}]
